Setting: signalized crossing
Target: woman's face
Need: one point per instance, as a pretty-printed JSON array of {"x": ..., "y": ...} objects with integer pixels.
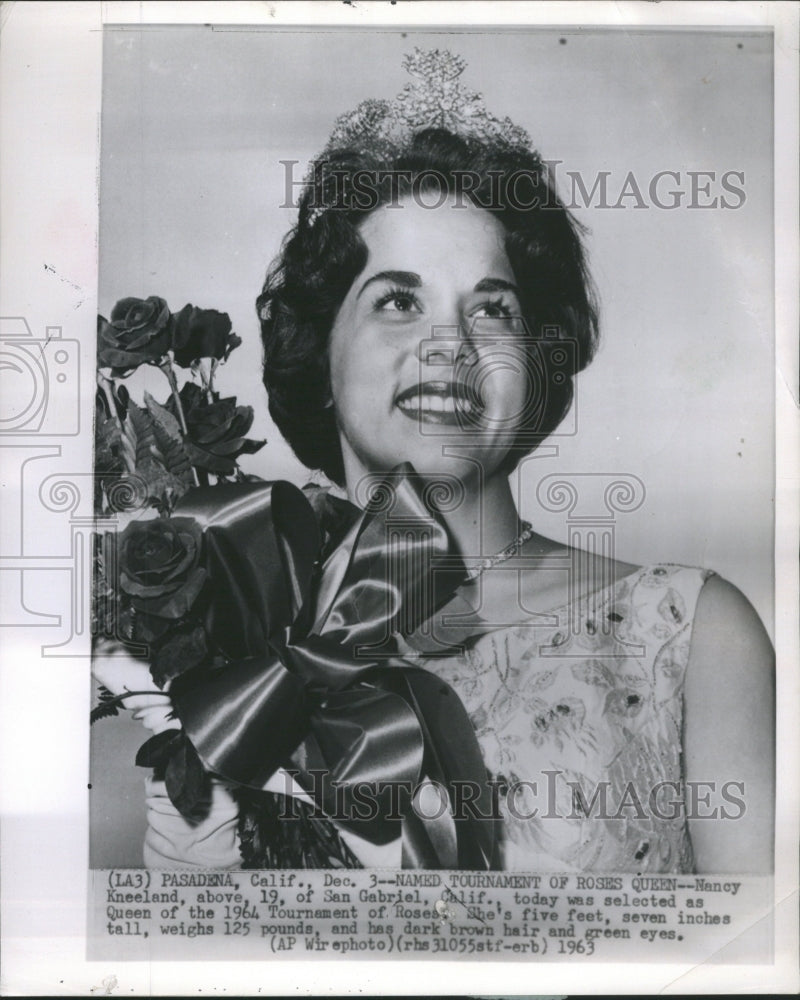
[{"x": 427, "y": 356}]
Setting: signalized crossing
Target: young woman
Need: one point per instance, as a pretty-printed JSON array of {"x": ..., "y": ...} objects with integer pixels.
[{"x": 423, "y": 325}]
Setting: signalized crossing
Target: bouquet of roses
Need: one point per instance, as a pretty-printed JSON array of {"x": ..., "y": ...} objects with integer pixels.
[
  {"x": 151, "y": 454},
  {"x": 150, "y": 592}
]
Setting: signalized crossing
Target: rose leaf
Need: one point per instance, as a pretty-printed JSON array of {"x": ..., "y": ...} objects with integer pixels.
[
  {"x": 162, "y": 416},
  {"x": 182, "y": 651},
  {"x": 188, "y": 784},
  {"x": 157, "y": 751},
  {"x": 206, "y": 460},
  {"x": 144, "y": 628},
  {"x": 169, "y": 439},
  {"x": 139, "y": 430},
  {"x": 251, "y": 445}
]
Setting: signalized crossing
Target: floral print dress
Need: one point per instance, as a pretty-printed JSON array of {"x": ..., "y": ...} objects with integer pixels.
[{"x": 580, "y": 722}]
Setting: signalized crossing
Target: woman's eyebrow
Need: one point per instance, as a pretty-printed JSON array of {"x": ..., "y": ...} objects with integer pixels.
[
  {"x": 408, "y": 279},
  {"x": 495, "y": 285}
]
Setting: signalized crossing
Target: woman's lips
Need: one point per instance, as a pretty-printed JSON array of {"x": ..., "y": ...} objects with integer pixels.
[{"x": 440, "y": 403}]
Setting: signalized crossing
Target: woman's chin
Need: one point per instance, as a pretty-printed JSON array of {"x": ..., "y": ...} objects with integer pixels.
[
  {"x": 466, "y": 464},
  {"x": 431, "y": 457}
]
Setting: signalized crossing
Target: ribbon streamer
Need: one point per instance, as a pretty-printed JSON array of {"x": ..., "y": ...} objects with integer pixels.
[{"x": 313, "y": 680}]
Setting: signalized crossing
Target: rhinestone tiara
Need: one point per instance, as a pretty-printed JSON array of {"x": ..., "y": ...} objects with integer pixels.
[{"x": 434, "y": 98}]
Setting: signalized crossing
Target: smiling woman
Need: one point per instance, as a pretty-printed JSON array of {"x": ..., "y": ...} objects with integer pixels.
[
  {"x": 387, "y": 370},
  {"x": 428, "y": 680},
  {"x": 443, "y": 203}
]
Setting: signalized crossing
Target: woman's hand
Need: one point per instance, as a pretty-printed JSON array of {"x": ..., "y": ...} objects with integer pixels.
[
  {"x": 171, "y": 840},
  {"x": 730, "y": 734},
  {"x": 119, "y": 672}
]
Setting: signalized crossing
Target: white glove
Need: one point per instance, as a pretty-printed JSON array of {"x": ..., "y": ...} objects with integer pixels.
[
  {"x": 171, "y": 840},
  {"x": 118, "y": 671}
]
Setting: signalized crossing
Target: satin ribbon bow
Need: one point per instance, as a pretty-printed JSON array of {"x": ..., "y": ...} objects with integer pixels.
[{"x": 313, "y": 681}]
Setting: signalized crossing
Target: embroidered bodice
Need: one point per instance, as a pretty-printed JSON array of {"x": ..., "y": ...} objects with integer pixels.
[{"x": 580, "y": 722}]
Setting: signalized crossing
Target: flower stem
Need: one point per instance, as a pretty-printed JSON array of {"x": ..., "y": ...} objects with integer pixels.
[
  {"x": 166, "y": 367},
  {"x": 127, "y": 693}
]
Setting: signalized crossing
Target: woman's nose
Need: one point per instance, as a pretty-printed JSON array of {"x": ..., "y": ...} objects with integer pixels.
[{"x": 446, "y": 343}]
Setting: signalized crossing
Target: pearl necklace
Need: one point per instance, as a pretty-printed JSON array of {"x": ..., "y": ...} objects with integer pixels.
[{"x": 510, "y": 550}]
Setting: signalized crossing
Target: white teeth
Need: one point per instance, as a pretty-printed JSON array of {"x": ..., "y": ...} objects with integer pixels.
[{"x": 435, "y": 404}]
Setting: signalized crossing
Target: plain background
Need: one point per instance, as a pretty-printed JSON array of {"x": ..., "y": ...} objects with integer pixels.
[{"x": 193, "y": 206}]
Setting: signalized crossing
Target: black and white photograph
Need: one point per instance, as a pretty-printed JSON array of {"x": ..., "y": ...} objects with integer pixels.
[
  {"x": 596, "y": 361},
  {"x": 432, "y": 493}
]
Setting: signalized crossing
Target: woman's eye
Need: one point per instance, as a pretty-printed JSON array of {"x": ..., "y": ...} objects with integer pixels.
[
  {"x": 397, "y": 301},
  {"x": 494, "y": 310}
]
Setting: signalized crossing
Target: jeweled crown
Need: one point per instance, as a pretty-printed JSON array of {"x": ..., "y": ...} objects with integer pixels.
[{"x": 435, "y": 98}]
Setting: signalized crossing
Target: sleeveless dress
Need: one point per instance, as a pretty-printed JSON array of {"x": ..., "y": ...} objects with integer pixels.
[
  {"x": 579, "y": 715},
  {"x": 580, "y": 720}
]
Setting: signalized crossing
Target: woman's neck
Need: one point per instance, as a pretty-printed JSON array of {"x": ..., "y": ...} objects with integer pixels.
[
  {"x": 486, "y": 521},
  {"x": 482, "y": 524}
]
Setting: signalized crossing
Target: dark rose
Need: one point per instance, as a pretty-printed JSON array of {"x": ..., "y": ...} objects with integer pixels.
[
  {"x": 216, "y": 430},
  {"x": 201, "y": 333},
  {"x": 139, "y": 332},
  {"x": 159, "y": 565}
]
